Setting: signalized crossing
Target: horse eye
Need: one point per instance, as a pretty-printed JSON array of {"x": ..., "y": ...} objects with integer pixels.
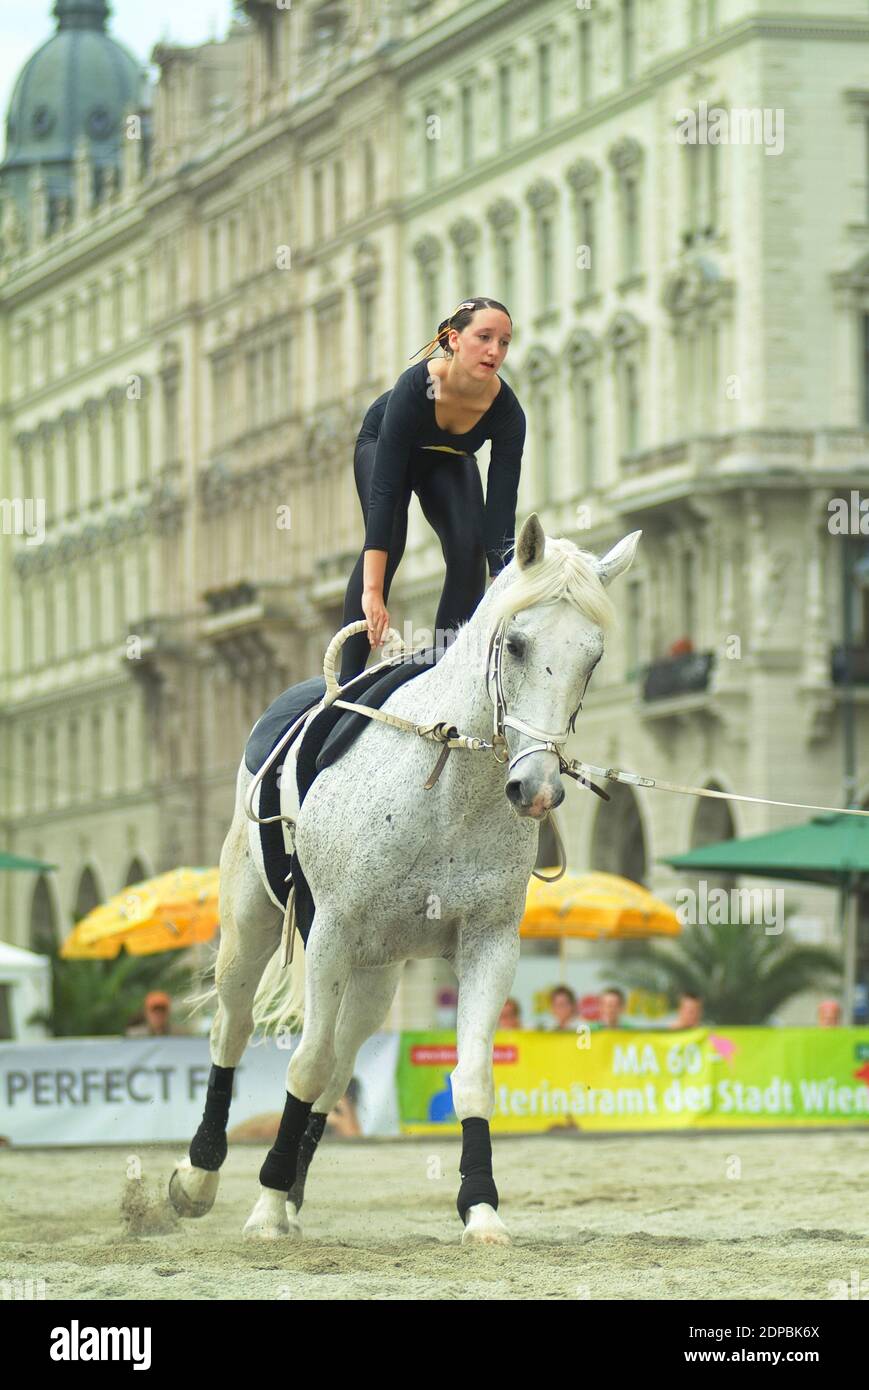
[{"x": 514, "y": 648}]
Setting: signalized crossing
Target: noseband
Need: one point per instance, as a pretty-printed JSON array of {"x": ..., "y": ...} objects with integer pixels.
[{"x": 548, "y": 742}]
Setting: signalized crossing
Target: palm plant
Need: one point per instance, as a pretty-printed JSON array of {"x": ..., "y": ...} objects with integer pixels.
[
  {"x": 95, "y": 997},
  {"x": 742, "y": 975}
]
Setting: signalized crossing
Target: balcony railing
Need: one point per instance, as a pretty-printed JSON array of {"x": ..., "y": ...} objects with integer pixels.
[
  {"x": 678, "y": 675},
  {"x": 859, "y": 665}
]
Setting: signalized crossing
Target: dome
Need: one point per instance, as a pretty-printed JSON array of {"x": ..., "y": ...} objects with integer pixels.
[{"x": 78, "y": 84}]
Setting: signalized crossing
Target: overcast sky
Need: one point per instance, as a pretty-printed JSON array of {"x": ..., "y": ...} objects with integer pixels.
[{"x": 138, "y": 24}]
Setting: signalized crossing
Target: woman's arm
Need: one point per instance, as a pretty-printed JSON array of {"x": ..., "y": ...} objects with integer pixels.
[{"x": 502, "y": 487}]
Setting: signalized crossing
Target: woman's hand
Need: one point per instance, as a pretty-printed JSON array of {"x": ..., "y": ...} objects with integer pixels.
[{"x": 378, "y": 618}]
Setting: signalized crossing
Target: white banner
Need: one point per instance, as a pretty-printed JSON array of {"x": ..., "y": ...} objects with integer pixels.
[{"x": 152, "y": 1090}]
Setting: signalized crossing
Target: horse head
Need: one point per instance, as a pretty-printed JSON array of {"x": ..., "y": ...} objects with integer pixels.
[{"x": 547, "y": 630}]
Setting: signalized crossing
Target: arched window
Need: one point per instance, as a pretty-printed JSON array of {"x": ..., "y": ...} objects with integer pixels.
[
  {"x": 713, "y": 822},
  {"x": 136, "y": 872},
  {"x": 43, "y": 923},
  {"x": 88, "y": 896},
  {"x": 618, "y": 842}
]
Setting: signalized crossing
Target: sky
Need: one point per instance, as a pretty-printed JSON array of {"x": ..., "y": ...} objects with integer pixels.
[{"x": 24, "y": 27}]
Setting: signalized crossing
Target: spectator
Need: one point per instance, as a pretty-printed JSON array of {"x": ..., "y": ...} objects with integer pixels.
[
  {"x": 511, "y": 1015},
  {"x": 562, "y": 1006},
  {"x": 611, "y": 1002},
  {"x": 690, "y": 1011},
  {"x": 829, "y": 1014},
  {"x": 157, "y": 1022}
]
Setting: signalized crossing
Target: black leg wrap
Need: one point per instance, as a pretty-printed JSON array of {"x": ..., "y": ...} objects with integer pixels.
[
  {"x": 478, "y": 1185},
  {"x": 208, "y": 1146},
  {"x": 279, "y": 1169},
  {"x": 307, "y": 1148}
]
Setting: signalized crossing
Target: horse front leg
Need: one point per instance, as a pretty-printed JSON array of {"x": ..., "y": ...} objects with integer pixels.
[{"x": 486, "y": 967}]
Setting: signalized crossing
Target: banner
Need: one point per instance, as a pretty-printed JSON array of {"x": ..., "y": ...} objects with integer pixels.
[
  {"x": 620, "y": 1079},
  {"x": 152, "y": 1090}
]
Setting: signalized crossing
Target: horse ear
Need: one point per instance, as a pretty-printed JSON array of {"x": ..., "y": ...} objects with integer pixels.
[
  {"x": 619, "y": 559},
  {"x": 530, "y": 542}
]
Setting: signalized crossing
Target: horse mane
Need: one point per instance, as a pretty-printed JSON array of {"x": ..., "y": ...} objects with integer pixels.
[{"x": 565, "y": 573}]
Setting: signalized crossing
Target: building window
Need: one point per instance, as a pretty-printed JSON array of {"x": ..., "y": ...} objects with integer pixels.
[
  {"x": 585, "y": 60},
  {"x": 633, "y": 652},
  {"x": 144, "y": 418},
  {"x": 72, "y": 489},
  {"x": 689, "y": 595},
  {"x": 505, "y": 253},
  {"x": 866, "y": 369},
  {"x": 170, "y": 419},
  {"x": 370, "y": 176},
  {"x": 586, "y": 236},
  {"x": 70, "y": 334},
  {"x": 629, "y": 41},
  {"x": 430, "y": 134},
  {"x": 213, "y": 259},
  {"x": 367, "y": 334},
  {"x": 143, "y": 295},
  {"x": 631, "y": 408},
  {"x": 588, "y": 433},
  {"x": 118, "y": 462},
  {"x": 221, "y": 400},
  {"x": 467, "y": 125},
  {"x": 234, "y": 268},
  {"x": 544, "y": 83},
  {"x": 339, "y": 193},
  {"x": 118, "y": 306},
  {"x": 547, "y": 447},
  {"x": 505, "y": 105},
  {"x": 95, "y": 454},
  {"x": 631, "y": 225},
  {"x": 547, "y": 262},
  {"x": 319, "y": 223}
]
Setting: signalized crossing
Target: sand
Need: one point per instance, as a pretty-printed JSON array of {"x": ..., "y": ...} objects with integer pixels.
[{"x": 591, "y": 1218}]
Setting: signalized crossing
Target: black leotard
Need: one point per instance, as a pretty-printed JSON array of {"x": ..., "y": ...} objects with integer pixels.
[
  {"x": 398, "y": 451},
  {"x": 404, "y": 419}
]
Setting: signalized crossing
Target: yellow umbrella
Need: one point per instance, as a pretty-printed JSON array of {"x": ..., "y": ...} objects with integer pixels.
[
  {"x": 596, "y": 905},
  {"x": 174, "y": 910}
]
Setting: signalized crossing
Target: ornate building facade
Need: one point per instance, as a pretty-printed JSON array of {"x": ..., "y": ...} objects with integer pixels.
[{"x": 194, "y": 319}]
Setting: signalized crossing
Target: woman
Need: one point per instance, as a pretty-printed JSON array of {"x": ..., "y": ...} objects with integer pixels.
[{"x": 420, "y": 437}]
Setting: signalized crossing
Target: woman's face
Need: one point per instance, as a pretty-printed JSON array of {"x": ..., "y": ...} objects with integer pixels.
[{"x": 481, "y": 347}]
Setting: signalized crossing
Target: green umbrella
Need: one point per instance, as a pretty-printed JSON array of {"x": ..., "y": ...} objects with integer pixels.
[
  {"x": 14, "y": 861},
  {"x": 827, "y": 849},
  {"x": 831, "y": 849}
]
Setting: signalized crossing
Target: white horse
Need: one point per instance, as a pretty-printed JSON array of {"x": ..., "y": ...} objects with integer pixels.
[{"x": 378, "y": 851}]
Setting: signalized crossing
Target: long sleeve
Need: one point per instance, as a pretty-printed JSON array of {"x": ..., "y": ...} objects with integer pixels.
[
  {"x": 398, "y": 432},
  {"x": 502, "y": 489}
]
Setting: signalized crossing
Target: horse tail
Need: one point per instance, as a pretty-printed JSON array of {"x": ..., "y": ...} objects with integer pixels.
[{"x": 279, "y": 1003}]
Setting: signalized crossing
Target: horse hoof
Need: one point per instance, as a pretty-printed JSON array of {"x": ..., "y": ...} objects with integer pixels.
[
  {"x": 273, "y": 1218},
  {"x": 485, "y": 1227},
  {"x": 293, "y": 1221},
  {"x": 192, "y": 1190}
]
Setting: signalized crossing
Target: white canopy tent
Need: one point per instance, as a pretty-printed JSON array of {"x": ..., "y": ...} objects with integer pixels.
[{"x": 25, "y": 986}]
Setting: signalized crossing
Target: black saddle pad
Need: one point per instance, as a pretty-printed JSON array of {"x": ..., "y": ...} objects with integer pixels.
[
  {"x": 280, "y": 714},
  {"x": 327, "y": 737}
]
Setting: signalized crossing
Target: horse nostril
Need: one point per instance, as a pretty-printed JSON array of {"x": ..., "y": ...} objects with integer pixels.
[
  {"x": 558, "y": 798},
  {"x": 514, "y": 791}
]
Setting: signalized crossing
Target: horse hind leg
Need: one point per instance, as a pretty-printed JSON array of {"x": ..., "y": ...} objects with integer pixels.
[{"x": 249, "y": 935}]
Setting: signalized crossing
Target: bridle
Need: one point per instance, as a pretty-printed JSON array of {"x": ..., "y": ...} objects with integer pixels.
[{"x": 547, "y": 742}]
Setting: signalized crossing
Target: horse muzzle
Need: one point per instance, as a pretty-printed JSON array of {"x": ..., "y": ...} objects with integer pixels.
[{"x": 533, "y": 798}]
